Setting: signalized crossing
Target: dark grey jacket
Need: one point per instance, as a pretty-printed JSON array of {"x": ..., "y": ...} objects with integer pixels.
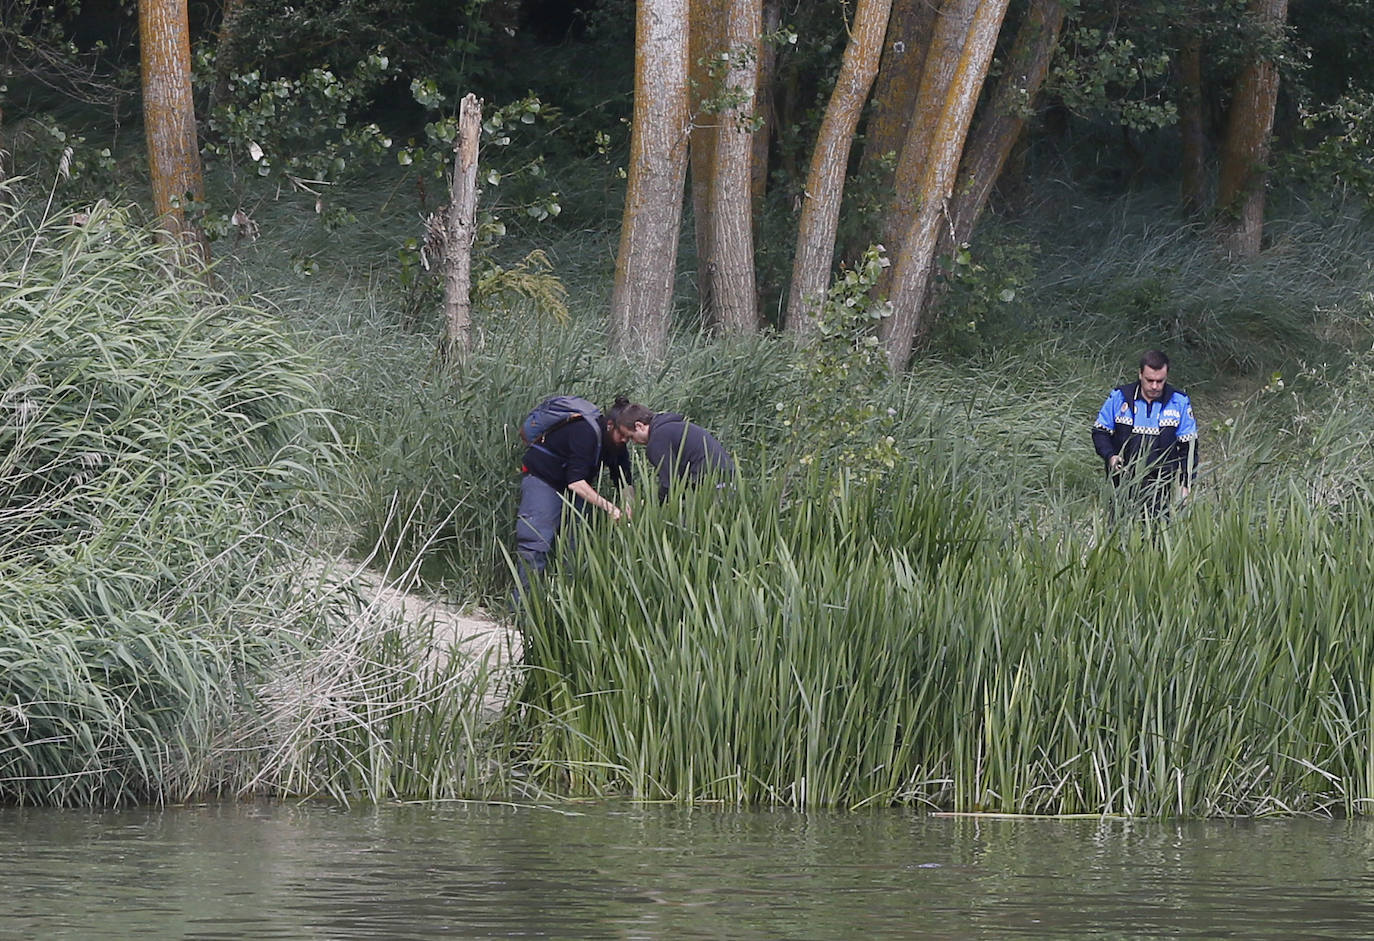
[{"x": 678, "y": 448}]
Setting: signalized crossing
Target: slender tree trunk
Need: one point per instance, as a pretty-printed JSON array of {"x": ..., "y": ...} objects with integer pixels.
[
  {"x": 706, "y": 40},
  {"x": 1191, "y": 127},
  {"x": 1245, "y": 150},
  {"x": 898, "y": 81},
  {"x": 997, "y": 131},
  {"x": 462, "y": 229},
  {"x": 950, "y": 127},
  {"x": 820, "y": 214},
  {"x": 768, "y": 66},
  {"x": 645, "y": 267},
  {"x": 170, "y": 121},
  {"x": 226, "y": 49},
  {"x": 731, "y": 205}
]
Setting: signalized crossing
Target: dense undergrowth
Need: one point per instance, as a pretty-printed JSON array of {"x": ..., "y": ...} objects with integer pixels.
[{"x": 913, "y": 595}]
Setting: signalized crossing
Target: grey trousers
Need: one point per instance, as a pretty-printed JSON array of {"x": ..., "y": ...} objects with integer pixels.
[{"x": 537, "y": 524}]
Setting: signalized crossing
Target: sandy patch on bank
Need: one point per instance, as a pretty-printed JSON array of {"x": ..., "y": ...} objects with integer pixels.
[{"x": 440, "y": 630}]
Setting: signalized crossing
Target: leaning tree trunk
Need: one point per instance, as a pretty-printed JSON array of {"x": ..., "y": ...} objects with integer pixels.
[
  {"x": 950, "y": 127},
  {"x": 820, "y": 214},
  {"x": 645, "y": 266},
  {"x": 942, "y": 62},
  {"x": 895, "y": 88},
  {"x": 731, "y": 205},
  {"x": 1245, "y": 150},
  {"x": 227, "y": 49},
  {"x": 997, "y": 131},
  {"x": 461, "y": 229},
  {"x": 169, "y": 120},
  {"x": 1191, "y": 128}
]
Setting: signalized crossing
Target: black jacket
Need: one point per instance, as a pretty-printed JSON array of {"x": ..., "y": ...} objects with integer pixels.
[{"x": 679, "y": 448}]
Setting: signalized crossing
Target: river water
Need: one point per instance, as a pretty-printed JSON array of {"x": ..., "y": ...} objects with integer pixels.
[{"x": 625, "y": 871}]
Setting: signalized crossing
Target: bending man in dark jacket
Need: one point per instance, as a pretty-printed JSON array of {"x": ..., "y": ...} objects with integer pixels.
[
  {"x": 677, "y": 448},
  {"x": 563, "y": 465}
]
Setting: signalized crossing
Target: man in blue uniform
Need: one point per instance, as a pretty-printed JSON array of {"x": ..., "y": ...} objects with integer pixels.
[{"x": 1146, "y": 436}]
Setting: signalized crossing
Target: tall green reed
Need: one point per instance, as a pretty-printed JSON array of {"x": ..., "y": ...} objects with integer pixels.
[
  {"x": 160, "y": 447},
  {"x": 892, "y": 645}
]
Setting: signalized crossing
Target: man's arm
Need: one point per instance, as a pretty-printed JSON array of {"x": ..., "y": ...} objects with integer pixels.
[
  {"x": 1186, "y": 446},
  {"x": 587, "y": 492},
  {"x": 1103, "y": 428}
]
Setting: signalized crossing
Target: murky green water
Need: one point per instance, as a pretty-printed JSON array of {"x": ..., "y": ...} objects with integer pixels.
[{"x": 467, "y": 871}]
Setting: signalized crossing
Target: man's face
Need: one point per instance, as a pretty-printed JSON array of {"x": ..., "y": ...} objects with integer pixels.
[
  {"x": 1152, "y": 382},
  {"x": 637, "y": 433}
]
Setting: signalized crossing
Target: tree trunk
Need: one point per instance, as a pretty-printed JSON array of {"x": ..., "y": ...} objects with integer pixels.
[
  {"x": 169, "y": 120},
  {"x": 908, "y": 37},
  {"x": 950, "y": 125},
  {"x": 645, "y": 266},
  {"x": 1003, "y": 122},
  {"x": 768, "y": 66},
  {"x": 942, "y": 62},
  {"x": 226, "y": 49},
  {"x": 1245, "y": 150},
  {"x": 462, "y": 229},
  {"x": 706, "y": 40},
  {"x": 1191, "y": 129},
  {"x": 820, "y": 214},
  {"x": 730, "y": 200}
]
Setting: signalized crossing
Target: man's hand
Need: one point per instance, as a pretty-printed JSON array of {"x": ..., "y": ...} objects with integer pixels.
[{"x": 1114, "y": 463}]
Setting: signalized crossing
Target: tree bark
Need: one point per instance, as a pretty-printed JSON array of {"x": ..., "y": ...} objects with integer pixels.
[
  {"x": 706, "y": 40},
  {"x": 169, "y": 120},
  {"x": 1245, "y": 149},
  {"x": 950, "y": 125},
  {"x": 462, "y": 229},
  {"x": 942, "y": 61},
  {"x": 763, "y": 137},
  {"x": 1003, "y": 122},
  {"x": 820, "y": 213},
  {"x": 226, "y": 49},
  {"x": 641, "y": 299},
  {"x": 1191, "y": 128},
  {"x": 730, "y": 199},
  {"x": 898, "y": 81}
]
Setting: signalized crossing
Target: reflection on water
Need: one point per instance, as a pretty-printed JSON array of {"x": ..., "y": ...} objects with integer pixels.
[{"x": 617, "y": 871}]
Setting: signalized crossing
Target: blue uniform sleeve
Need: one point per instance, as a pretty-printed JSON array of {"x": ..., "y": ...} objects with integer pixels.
[
  {"x": 1106, "y": 415},
  {"x": 1187, "y": 442},
  {"x": 1187, "y": 427},
  {"x": 1105, "y": 425}
]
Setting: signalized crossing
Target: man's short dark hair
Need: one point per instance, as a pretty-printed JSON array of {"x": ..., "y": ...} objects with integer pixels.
[{"x": 1154, "y": 359}]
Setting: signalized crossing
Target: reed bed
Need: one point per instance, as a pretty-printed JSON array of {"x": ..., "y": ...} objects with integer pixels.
[
  {"x": 892, "y": 643},
  {"x": 159, "y": 448}
]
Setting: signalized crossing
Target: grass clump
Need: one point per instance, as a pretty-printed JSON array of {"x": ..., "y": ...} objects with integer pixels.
[{"x": 160, "y": 447}]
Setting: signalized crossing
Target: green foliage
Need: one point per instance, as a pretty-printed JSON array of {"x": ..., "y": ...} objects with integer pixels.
[
  {"x": 160, "y": 450},
  {"x": 980, "y": 291},
  {"x": 303, "y": 131},
  {"x": 1342, "y": 158},
  {"x": 840, "y": 417},
  {"x": 1100, "y": 73},
  {"x": 882, "y": 645}
]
